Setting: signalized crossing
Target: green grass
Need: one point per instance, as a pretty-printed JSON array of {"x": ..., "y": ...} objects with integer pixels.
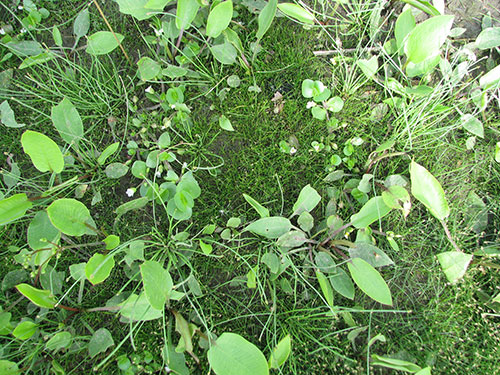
[{"x": 452, "y": 328}]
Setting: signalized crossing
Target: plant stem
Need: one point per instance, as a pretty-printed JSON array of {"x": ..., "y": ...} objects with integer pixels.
[{"x": 448, "y": 234}]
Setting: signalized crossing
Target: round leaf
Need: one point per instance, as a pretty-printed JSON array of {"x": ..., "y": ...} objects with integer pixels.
[
  {"x": 69, "y": 216},
  {"x": 98, "y": 268},
  {"x": 103, "y": 42},
  {"x": 148, "y": 68},
  {"x": 219, "y": 18},
  {"x": 43, "y": 151},
  {"x": 232, "y": 354}
]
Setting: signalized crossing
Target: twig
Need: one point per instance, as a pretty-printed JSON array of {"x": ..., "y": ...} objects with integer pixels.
[{"x": 448, "y": 234}]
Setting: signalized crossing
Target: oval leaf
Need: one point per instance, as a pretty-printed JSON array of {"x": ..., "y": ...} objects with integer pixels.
[
  {"x": 297, "y": 12},
  {"x": 186, "y": 12},
  {"x": 101, "y": 340},
  {"x": 232, "y": 354},
  {"x": 428, "y": 191},
  {"x": 67, "y": 121},
  {"x": 372, "y": 211},
  {"x": 270, "y": 227},
  {"x": 454, "y": 264},
  {"x": 369, "y": 281},
  {"x": 13, "y": 208},
  {"x": 307, "y": 200},
  {"x": 103, "y": 42},
  {"x": 98, "y": 268},
  {"x": 41, "y": 298},
  {"x": 43, "y": 152},
  {"x": 261, "y": 210},
  {"x": 157, "y": 283},
  {"x": 69, "y": 216},
  {"x": 219, "y": 18},
  {"x": 280, "y": 352},
  {"x": 266, "y": 17}
]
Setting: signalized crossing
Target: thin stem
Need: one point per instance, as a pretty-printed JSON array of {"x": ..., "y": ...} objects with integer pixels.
[{"x": 448, "y": 234}]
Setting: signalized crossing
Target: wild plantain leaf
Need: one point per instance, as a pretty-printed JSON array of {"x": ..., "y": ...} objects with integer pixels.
[
  {"x": 137, "y": 308},
  {"x": 372, "y": 211},
  {"x": 43, "y": 152},
  {"x": 141, "y": 9},
  {"x": 261, "y": 210},
  {"x": 116, "y": 170},
  {"x": 488, "y": 38},
  {"x": 428, "y": 191},
  {"x": 69, "y": 216},
  {"x": 404, "y": 25},
  {"x": 270, "y": 227},
  {"x": 13, "y": 208},
  {"x": 472, "y": 125},
  {"x": 157, "y": 283},
  {"x": 224, "y": 53},
  {"x": 60, "y": 340},
  {"x": 491, "y": 79},
  {"x": 108, "y": 151},
  {"x": 186, "y": 13},
  {"x": 291, "y": 239},
  {"x": 67, "y": 121},
  {"x": 280, "y": 352},
  {"x": 306, "y": 202},
  {"x": 81, "y": 25},
  {"x": 225, "y": 123},
  {"x": 232, "y": 354},
  {"x": 103, "y": 42},
  {"x": 342, "y": 283},
  {"x": 454, "y": 264},
  {"x": 368, "y": 279},
  {"x": 99, "y": 267},
  {"x": 56, "y": 35},
  {"x": 41, "y": 298},
  {"x": 24, "y": 330},
  {"x": 101, "y": 340},
  {"x": 395, "y": 364},
  {"x": 219, "y": 18},
  {"x": 368, "y": 67},
  {"x": 266, "y": 17},
  {"x": 425, "y": 40},
  {"x": 326, "y": 287},
  {"x": 371, "y": 254},
  {"x": 7, "y": 116},
  {"x": 148, "y": 68},
  {"x": 41, "y": 232},
  {"x": 297, "y": 12}
]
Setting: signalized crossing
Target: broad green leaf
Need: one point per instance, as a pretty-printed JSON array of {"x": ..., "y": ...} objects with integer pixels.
[
  {"x": 157, "y": 283},
  {"x": 9, "y": 368},
  {"x": 233, "y": 38},
  {"x": 186, "y": 13},
  {"x": 137, "y": 308},
  {"x": 43, "y": 152},
  {"x": 67, "y": 121},
  {"x": 454, "y": 264},
  {"x": 488, "y": 38},
  {"x": 60, "y": 340},
  {"x": 291, "y": 239},
  {"x": 101, "y": 340},
  {"x": 56, "y": 35},
  {"x": 12, "y": 178},
  {"x": 13, "y": 208},
  {"x": 428, "y": 191},
  {"x": 404, "y": 25},
  {"x": 81, "y": 25},
  {"x": 252, "y": 277},
  {"x": 225, "y": 124},
  {"x": 368, "y": 279},
  {"x": 319, "y": 113},
  {"x": 41, "y": 298},
  {"x": 472, "y": 125},
  {"x": 224, "y": 53},
  {"x": 305, "y": 221},
  {"x": 395, "y": 364},
  {"x": 108, "y": 151},
  {"x": 206, "y": 248},
  {"x": 189, "y": 184},
  {"x": 130, "y": 206},
  {"x": 297, "y": 12},
  {"x": 103, "y": 42},
  {"x": 25, "y": 48},
  {"x": 312, "y": 88},
  {"x": 334, "y": 104},
  {"x": 306, "y": 202},
  {"x": 116, "y": 170},
  {"x": 491, "y": 79},
  {"x": 41, "y": 232},
  {"x": 261, "y": 210},
  {"x": 426, "y": 39},
  {"x": 7, "y": 116},
  {"x": 326, "y": 287},
  {"x": 272, "y": 261},
  {"x": 372, "y": 211},
  {"x": 232, "y": 354},
  {"x": 368, "y": 67},
  {"x": 371, "y": 254},
  {"x": 111, "y": 241},
  {"x": 141, "y": 9},
  {"x": 280, "y": 352},
  {"x": 266, "y": 17},
  {"x": 219, "y": 18},
  {"x": 24, "y": 330},
  {"x": 139, "y": 169},
  {"x": 182, "y": 326},
  {"x": 270, "y": 227},
  {"x": 342, "y": 283},
  {"x": 325, "y": 263},
  {"x": 99, "y": 267},
  {"x": 148, "y": 68},
  {"x": 69, "y": 216},
  {"x": 35, "y": 60}
]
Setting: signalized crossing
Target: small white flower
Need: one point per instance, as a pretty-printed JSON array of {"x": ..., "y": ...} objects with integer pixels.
[
  {"x": 130, "y": 192},
  {"x": 159, "y": 32},
  {"x": 310, "y": 104},
  {"x": 293, "y": 150},
  {"x": 23, "y": 30},
  {"x": 149, "y": 90},
  {"x": 316, "y": 148},
  {"x": 185, "y": 165},
  {"x": 158, "y": 174},
  {"x": 2, "y": 31},
  {"x": 20, "y": 7}
]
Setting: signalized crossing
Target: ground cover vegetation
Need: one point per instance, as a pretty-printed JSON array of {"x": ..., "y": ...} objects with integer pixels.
[{"x": 248, "y": 187}]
